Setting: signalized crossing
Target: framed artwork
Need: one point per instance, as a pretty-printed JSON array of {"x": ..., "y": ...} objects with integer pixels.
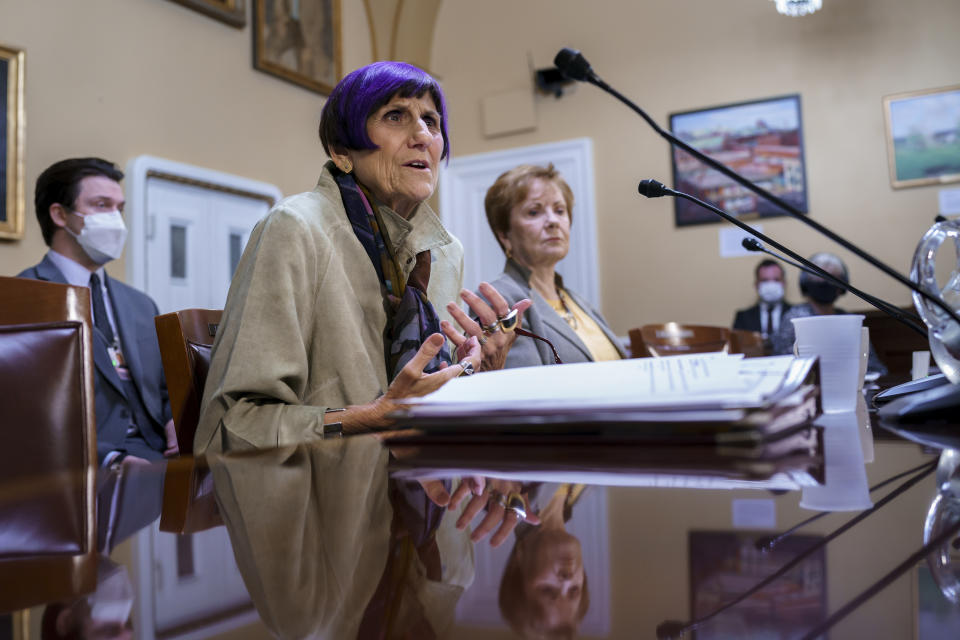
[
  {"x": 11, "y": 143},
  {"x": 923, "y": 136},
  {"x": 725, "y": 564},
  {"x": 299, "y": 41},
  {"x": 762, "y": 140},
  {"x": 233, "y": 12}
]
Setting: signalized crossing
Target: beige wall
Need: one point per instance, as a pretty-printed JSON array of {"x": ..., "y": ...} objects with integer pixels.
[
  {"x": 121, "y": 78},
  {"x": 675, "y": 55}
]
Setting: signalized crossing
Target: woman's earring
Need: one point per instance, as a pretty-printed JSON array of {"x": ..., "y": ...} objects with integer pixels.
[
  {"x": 509, "y": 254},
  {"x": 347, "y": 166}
]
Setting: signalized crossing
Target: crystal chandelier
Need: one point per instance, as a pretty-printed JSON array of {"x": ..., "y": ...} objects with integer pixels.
[{"x": 798, "y": 7}]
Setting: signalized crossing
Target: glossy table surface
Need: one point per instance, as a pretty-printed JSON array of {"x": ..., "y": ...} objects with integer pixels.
[{"x": 338, "y": 539}]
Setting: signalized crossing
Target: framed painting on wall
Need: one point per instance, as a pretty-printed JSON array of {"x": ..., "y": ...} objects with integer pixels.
[
  {"x": 762, "y": 140},
  {"x": 725, "y": 564},
  {"x": 11, "y": 143},
  {"x": 232, "y": 12},
  {"x": 923, "y": 137},
  {"x": 299, "y": 41}
]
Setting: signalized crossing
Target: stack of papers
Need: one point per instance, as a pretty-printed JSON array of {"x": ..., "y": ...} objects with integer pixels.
[
  {"x": 683, "y": 388},
  {"x": 705, "y": 415}
]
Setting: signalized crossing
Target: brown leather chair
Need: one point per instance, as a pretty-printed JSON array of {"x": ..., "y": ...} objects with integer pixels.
[
  {"x": 749, "y": 343},
  {"x": 186, "y": 338},
  {"x": 48, "y": 448},
  {"x": 672, "y": 338}
]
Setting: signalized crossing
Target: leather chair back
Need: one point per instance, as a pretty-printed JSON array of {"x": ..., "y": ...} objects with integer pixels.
[
  {"x": 48, "y": 449},
  {"x": 186, "y": 340},
  {"x": 749, "y": 343},
  {"x": 673, "y": 338}
]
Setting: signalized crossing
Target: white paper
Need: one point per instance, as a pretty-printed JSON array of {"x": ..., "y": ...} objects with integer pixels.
[
  {"x": 754, "y": 513},
  {"x": 949, "y": 201},
  {"x": 731, "y": 238},
  {"x": 701, "y": 381}
]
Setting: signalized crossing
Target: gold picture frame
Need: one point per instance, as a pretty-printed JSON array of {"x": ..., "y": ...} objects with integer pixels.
[
  {"x": 231, "y": 12},
  {"x": 298, "y": 41},
  {"x": 923, "y": 136},
  {"x": 12, "y": 123}
]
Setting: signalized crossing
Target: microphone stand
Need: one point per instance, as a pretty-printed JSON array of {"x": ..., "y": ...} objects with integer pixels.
[
  {"x": 574, "y": 66},
  {"x": 673, "y": 629},
  {"x": 654, "y": 189},
  {"x": 750, "y": 244}
]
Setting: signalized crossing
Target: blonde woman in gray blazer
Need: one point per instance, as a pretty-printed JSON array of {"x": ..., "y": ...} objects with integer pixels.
[{"x": 529, "y": 209}]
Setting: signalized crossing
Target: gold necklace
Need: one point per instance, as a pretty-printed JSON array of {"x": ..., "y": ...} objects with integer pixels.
[{"x": 567, "y": 314}]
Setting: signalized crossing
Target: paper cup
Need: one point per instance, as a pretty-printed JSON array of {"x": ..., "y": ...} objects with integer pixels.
[
  {"x": 846, "y": 487},
  {"x": 835, "y": 340}
]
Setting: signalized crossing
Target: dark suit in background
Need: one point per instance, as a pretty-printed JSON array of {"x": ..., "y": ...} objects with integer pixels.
[
  {"x": 542, "y": 320},
  {"x": 133, "y": 312},
  {"x": 749, "y": 319}
]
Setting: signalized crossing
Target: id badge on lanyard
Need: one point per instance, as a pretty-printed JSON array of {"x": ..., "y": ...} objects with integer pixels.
[{"x": 119, "y": 364}]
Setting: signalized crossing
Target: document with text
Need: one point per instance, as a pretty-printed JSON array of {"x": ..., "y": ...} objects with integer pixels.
[{"x": 713, "y": 381}]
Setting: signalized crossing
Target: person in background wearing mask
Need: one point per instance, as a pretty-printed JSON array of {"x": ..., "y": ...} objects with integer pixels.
[
  {"x": 820, "y": 296},
  {"x": 766, "y": 316},
  {"x": 79, "y": 203}
]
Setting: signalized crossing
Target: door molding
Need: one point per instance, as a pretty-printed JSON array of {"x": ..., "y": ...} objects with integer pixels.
[
  {"x": 463, "y": 185},
  {"x": 146, "y": 167}
]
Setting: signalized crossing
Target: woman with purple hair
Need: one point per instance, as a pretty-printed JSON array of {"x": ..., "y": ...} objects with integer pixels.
[
  {"x": 331, "y": 320},
  {"x": 332, "y": 314}
]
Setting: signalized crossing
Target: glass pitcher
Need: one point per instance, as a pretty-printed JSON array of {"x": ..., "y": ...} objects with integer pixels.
[{"x": 943, "y": 331}]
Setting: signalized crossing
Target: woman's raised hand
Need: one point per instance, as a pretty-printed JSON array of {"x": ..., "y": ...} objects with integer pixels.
[{"x": 495, "y": 343}]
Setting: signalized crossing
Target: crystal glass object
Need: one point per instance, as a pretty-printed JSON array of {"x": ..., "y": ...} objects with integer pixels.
[{"x": 944, "y": 332}]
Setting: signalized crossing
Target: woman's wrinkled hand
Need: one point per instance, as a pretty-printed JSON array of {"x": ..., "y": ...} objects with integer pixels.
[
  {"x": 411, "y": 382},
  {"x": 494, "y": 344},
  {"x": 483, "y": 493}
]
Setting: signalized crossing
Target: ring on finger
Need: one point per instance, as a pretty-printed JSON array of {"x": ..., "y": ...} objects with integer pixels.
[
  {"x": 482, "y": 339},
  {"x": 491, "y": 328},
  {"x": 518, "y": 505},
  {"x": 509, "y": 322},
  {"x": 467, "y": 367},
  {"x": 499, "y": 498}
]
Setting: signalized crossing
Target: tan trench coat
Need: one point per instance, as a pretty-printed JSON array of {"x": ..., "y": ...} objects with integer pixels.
[{"x": 304, "y": 320}]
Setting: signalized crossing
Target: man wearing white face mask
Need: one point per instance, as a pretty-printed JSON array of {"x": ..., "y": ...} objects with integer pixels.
[
  {"x": 79, "y": 203},
  {"x": 764, "y": 317}
]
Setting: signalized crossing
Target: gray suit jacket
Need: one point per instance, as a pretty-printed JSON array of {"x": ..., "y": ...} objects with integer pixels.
[
  {"x": 133, "y": 312},
  {"x": 541, "y": 319}
]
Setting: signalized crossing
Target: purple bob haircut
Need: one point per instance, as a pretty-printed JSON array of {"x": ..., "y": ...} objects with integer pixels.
[{"x": 343, "y": 123}]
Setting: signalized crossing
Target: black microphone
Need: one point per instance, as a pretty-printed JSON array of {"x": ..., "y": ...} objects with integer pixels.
[
  {"x": 657, "y": 189},
  {"x": 652, "y": 189},
  {"x": 912, "y": 321},
  {"x": 574, "y": 66},
  {"x": 580, "y": 69}
]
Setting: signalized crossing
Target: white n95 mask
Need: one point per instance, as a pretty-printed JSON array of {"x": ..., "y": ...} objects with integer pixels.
[
  {"x": 102, "y": 236},
  {"x": 770, "y": 291}
]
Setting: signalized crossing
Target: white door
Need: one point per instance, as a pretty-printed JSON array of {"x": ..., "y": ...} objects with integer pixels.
[
  {"x": 189, "y": 227},
  {"x": 464, "y": 183}
]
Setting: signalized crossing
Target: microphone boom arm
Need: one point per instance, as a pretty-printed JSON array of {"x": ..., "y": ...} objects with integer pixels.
[
  {"x": 586, "y": 74},
  {"x": 820, "y": 272}
]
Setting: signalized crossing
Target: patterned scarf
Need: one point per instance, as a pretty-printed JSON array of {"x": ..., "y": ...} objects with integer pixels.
[{"x": 411, "y": 316}]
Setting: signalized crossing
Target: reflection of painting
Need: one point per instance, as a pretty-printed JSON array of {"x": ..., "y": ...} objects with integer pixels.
[
  {"x": 937, "y": 617},
  {"x": 761, "y": 140},
  {"x": 299, "y": 41},
  {"x": 233, "y": 12},
  {"x": 923, "y": 136},
  {"x": 725, "y": 564},
  {"x": 11, "y": 143}
]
